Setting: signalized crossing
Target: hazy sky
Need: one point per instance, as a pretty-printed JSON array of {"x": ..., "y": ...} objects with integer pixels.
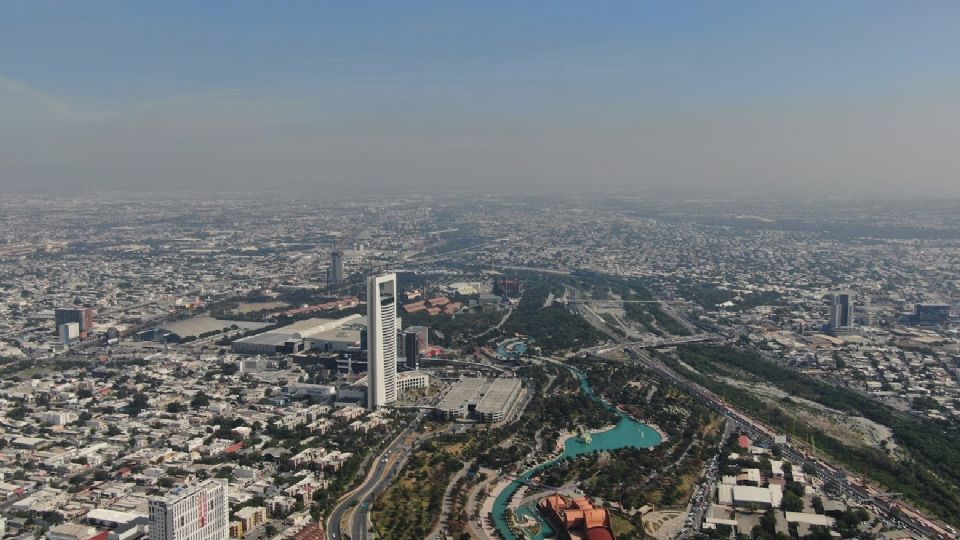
[{"x": 842, "y": 97}]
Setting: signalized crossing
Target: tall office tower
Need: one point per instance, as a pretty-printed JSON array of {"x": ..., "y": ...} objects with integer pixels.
[
  {"x": 381, "y": 340},
  {"x": 82, "y": 316},
  {"x": 422, "y": 333},
  {"x": 69, "y": 332},
  {"x": 411, "y": 349},
  {"x": 841, "y": 310},
  {"x": 931, "y": 313},
  {"x": 336, "y": 267},
  {"x": 198, "y": 512}
]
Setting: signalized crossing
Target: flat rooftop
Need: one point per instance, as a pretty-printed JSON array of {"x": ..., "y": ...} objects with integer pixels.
[
  {"x": 268, "y": 338},
  {"x": 487, "y": 395},
  {"x": 498, "y": 395},
  {"x": 464, "y": 392}
]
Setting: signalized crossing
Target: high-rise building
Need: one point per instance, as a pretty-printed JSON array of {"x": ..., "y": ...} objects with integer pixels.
[
  {"x": 411, "y": 349},
  {"x": 931, "y": 313},
  {"x": 382, "y": 327},
  {"x": 198, "y": 512},
  {"x": 336, "y": 267},
  {"x": 69, "y": 332},
  {"x": 422, "y": 333},
  {"x": 841, "y": 310},
  {"x": 82, "y": 316}
]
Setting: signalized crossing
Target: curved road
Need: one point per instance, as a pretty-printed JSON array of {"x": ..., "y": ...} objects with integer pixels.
[
  {"x": 383, "y": 471},
  {"x": 377, "y": 479}
]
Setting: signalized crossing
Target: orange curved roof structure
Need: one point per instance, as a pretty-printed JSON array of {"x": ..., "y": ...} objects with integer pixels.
[{"x": 577, "y": 517}]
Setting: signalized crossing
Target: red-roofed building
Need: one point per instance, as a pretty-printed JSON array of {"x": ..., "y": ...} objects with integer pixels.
[
  {"x": 233, "y": 448},
  {"x": 100, "y": 536},
  {"x": 312, "y": 531},
  {"x": 743, "y": 442},
  {"x": 413, "y": 305},
  {"x": 577, "y": 518}
]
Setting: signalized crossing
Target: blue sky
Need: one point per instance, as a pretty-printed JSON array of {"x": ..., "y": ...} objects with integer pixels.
[{"x": 769, "y": 96}]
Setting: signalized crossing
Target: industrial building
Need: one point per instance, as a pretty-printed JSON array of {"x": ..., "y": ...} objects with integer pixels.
[
  {"x": 268, "y": 343},
  {"x": 313, "y": 391},
  {"x": 343, "y": 339},
  {"x": 747, "y": 496},
  {"x": 195, "y": 328},
  {"x": 341, "y": 334},
  {"x": 480, "y": 398}
]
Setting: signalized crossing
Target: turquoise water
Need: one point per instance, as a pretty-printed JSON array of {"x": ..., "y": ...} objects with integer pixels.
[
  {"x": 627, "y": 433},
  {"x": 512, "y": 348}
]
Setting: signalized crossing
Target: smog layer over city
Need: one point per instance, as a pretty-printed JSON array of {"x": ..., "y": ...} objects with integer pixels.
[{"x": 479, "y": 271}]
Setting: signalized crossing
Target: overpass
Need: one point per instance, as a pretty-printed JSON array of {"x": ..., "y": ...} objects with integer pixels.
[
  {"x": 619, "y": 303},
  {"x": 466, "y": 363},
  {"x": 680, "y": 340}
]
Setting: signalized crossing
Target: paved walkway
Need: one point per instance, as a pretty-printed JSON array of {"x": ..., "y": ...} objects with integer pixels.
[{"x": 445, "y": 505}]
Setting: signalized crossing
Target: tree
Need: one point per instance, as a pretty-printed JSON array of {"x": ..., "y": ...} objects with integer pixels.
[
  {"x": 817, "y": 504},
  {"x": 17, "y": 413},
  {"x": 139, "y": 402},
  {"x": 792, "y": 503},
  {"x": 768, "y": 522},
  {"x": 200, "y": 400},
  {"x": 176, "y": 407},
  {"x": 796, "y": 488},
  {"x": 924, "y": 403}
]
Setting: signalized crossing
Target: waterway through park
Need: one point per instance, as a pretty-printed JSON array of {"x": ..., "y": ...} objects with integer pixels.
[{"x": 628, "y": 432}]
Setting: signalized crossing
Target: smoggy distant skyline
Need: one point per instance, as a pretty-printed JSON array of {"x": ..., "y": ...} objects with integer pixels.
[{"x": 840, "y": 98}]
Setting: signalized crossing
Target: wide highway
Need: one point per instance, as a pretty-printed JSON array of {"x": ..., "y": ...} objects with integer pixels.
[
  {"x": 757, "y": 431},
  {"x": 382, "y": 471}
]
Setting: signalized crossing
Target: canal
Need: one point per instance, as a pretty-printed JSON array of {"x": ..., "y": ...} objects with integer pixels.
[{"x": 626, "y": 433}]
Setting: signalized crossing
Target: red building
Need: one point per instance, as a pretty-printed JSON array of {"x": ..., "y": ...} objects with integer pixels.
[{"x": 576, "y": 519}]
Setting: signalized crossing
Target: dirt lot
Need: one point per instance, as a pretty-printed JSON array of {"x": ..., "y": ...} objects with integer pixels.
[{"x": 831, "y": 421}]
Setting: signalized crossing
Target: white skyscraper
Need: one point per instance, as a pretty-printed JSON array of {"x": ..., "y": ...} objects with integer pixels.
[
  {"x": 198, "y": 512},
  {"x": 381, "y": 340}
]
